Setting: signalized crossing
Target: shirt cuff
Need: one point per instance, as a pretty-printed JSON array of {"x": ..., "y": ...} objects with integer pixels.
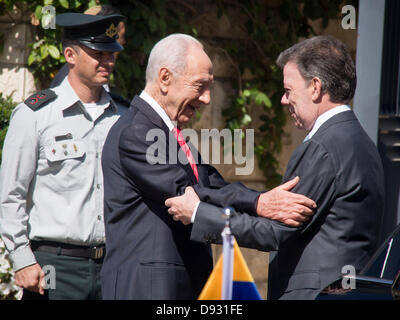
[
  {"x": 194, "y": 212},
  {"x": 22, "y": 258}
]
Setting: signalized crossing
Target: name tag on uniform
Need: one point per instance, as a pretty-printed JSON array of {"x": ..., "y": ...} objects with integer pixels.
[{"x": 67, "y": 136}]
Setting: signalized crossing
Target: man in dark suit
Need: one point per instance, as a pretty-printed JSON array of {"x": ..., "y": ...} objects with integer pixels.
[
  {"x": 339, "y": 167},
  {"x": 148, "y": 254}
]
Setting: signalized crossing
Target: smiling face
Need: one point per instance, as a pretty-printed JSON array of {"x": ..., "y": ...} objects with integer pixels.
[
  {"x": 298, "y": 97},
  {"x": 191, "y": 89},
  {"x": 92, "y": 67}
]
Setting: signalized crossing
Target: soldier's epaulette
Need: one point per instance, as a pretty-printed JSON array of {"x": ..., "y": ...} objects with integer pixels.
[
  {"x": 40, "y": 99},
  {"x": 121, "y": 100}
]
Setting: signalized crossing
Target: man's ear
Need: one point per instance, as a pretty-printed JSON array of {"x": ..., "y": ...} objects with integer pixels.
[
  {"x": 316, "y": 87},
  {"x": 164, "y": 79},
  {"x": 70, "y": 55}
]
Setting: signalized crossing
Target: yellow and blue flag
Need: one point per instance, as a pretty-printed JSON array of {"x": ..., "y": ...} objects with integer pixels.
[{"x": 231, "y": 278}]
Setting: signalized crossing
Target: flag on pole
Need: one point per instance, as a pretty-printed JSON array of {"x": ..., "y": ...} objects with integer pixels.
[{"x": 231, "y": 278}]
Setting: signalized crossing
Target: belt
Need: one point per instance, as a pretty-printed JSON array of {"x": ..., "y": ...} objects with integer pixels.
[{"x": 71, "y": 250}]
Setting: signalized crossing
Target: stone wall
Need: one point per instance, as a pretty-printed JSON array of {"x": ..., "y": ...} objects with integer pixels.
[{"x": 15, "y": 77}]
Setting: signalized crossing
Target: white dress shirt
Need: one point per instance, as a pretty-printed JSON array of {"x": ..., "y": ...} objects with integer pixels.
[
  {"x": 160, "y": 111},
  {"x": 157, "y": 108}
]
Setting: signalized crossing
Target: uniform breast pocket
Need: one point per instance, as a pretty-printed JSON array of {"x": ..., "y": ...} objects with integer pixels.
[{"x": 66, "y": 168}]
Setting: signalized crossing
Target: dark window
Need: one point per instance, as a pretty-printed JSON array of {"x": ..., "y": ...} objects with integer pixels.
[{"x": 385, "y": 264}]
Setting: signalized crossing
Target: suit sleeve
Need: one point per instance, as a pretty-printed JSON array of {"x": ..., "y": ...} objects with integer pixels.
[
  {"x": 153, "y": 167},
  {"x": 222, "y": 194},
  {"x": 317, "y": 172},
  {"x": 17, "y": 171},
  {"x": 149, "y": 164},
  {"x": 234, "y": 195}
]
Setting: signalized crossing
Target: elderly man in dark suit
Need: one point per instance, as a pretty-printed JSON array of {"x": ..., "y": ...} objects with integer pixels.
[
  {"x": 339, "y": 167},
  {"x": 148, "y": 254}
]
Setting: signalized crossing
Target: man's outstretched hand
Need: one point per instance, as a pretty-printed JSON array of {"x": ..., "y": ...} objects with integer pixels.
[
  {"x": 282, "y": 205},
  {"x": 278, "y": 204}
]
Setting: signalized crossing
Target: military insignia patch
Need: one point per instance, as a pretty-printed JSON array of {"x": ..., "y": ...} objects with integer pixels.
[
  {"x": 39, "y": 99},
  {"x": 111, "y": 31}
]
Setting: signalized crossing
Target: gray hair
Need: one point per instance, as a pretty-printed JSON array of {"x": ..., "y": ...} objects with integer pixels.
[
  {"x": 329, "y": 60},
  {"x": 170, "y": 52}
]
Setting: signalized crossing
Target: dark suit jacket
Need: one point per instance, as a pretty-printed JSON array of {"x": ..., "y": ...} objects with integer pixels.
[
  {"x": 148, "y": 254},
  {"x": 340, "y": 168}
]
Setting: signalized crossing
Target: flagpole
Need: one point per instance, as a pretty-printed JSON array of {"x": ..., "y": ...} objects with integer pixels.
[{"x": 227, "y": 261}]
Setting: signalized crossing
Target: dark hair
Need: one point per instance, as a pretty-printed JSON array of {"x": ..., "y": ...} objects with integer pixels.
[
  {"x": 329, "y": 60},
  {"x": 65, "y": 42},
  {"x": 107, "y": 10}
]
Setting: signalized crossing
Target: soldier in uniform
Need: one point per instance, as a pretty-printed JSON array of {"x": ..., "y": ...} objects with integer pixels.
[
  {"x": 99, "y": 10},
  {"x": 51, "y": 198}
]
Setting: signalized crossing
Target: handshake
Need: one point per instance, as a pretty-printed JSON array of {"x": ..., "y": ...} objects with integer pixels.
[{"x": 277, "y": 204}]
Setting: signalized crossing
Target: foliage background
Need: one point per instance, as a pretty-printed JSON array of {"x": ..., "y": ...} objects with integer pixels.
[{"x": 270, "y": 26}]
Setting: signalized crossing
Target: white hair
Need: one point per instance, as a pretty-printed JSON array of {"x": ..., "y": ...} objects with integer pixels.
[{"x": 170, "y": 52}]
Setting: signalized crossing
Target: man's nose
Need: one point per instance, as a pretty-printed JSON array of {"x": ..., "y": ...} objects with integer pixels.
[
  {"x": 109, "y": 58},
  {"x": 284, "y": 99},
  {"x": 205, "y": 98}
]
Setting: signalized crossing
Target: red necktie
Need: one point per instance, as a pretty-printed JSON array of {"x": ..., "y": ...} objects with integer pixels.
[{"x": 185, "y": 148}]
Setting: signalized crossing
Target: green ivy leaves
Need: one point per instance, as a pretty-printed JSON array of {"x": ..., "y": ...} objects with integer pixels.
[
  {"x": 257, "y": 96},
  {"x": 46, "y": 56},
  {"x": 53, "y": 51},
  {"x": 41, "y": 50},
  {"x": 64, "y": 3},
  {"x": 6, "y": 107}
]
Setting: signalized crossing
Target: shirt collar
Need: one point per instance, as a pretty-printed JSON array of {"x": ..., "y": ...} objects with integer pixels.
[
  {"x": 157, "y": 108},
  {"x": 325, "y": 117}
]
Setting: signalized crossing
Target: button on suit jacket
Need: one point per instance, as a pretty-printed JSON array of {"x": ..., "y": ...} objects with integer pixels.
[
  {"x": 340, "y": 168},
  {"x": 148, "y": 254}
]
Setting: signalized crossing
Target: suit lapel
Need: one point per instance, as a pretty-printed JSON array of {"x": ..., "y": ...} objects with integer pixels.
[
  {"x": 145, "y": 108},
  {"x": 298, "y": 153},
  {"x": 152, "y": 115}
]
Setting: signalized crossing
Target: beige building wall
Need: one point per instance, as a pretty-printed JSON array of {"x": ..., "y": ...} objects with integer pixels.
[{"x": 16, "y": 79}]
